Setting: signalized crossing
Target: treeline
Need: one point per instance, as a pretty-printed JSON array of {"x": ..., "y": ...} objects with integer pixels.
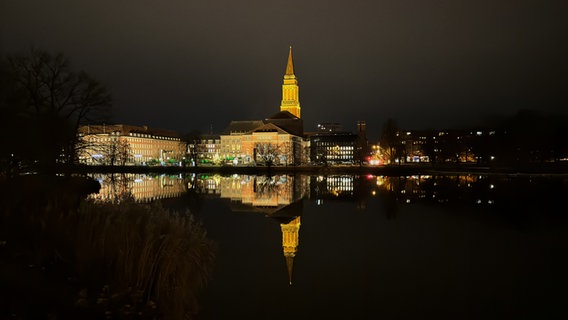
[
  {"x": 43, "y": 101},
  {"x": 530, "y": 137},
  {"x": 527, "y": 138}
]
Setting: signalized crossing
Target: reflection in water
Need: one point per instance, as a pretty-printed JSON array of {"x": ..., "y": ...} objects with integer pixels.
[
  {"x": 270, "y": 194},
  {"x": 444, "y": 247},
  {"x": 253, "y": 192},
  {"x": 290, "y": 242},
  {"x": 143, "y": 188},
  {"x": 279, "y": 197}
]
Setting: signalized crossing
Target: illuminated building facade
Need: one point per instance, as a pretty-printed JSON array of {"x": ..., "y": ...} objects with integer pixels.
[
  {"x": 204, "y": 149},
  {"x": 270, "y": 142},
  {"x": 277, "y": 140},
  {"x": 231, "y": 141},
  {"x": 129, "y": 145}
]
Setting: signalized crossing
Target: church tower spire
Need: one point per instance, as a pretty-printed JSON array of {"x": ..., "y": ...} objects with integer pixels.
[
  {"x": 290, "y": 65},
  {"x": 290, "y": 89}
]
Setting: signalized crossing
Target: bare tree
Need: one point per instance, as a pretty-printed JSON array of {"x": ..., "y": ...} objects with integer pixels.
[
  {"x": 118, "y": 152},
  {"x": 56, "y": 101},
  {"x": 268, "y": 186},
  {"x": 268, "y": 153},
  {"x": 390, "y": 141},
  {"x": 193, "y": 140}
]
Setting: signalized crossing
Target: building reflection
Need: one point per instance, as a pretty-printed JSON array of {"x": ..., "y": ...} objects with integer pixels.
[
  {"x": 281, "y": 197},
  {"x": 270, "y": 194},
  {"x": 468, "y": 188},
  {"x": 278, "y": 197},
  {"x": 141, "y": 187},
  {"x": 253, "y": 193}
]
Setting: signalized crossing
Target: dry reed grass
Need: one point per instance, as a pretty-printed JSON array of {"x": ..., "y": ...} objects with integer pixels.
[
  {"x": 125, "y": 260},
  {"x": 144, "y": 248}
]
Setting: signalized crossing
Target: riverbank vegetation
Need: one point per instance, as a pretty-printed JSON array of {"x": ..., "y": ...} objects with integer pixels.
[{"x": 67, "y": 258}]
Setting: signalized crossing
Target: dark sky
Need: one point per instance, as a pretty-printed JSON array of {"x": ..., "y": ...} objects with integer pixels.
[{"x": 184, "y": 65}]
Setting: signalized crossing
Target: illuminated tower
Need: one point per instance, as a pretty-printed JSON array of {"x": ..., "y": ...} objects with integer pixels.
[
  {"x": 290, "y": 90},
  {"x": 290, "y": 241}
]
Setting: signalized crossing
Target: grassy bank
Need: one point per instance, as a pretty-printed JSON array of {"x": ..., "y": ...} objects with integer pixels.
[{"x": 67, "y": 258}]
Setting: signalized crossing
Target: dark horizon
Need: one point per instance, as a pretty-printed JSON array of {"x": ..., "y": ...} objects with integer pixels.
[{"x": 187, "y": 66}]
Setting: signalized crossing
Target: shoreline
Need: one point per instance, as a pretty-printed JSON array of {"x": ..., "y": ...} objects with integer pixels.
[{"x": 390, "y": 170}]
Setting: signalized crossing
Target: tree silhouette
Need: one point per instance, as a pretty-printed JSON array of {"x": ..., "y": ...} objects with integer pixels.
[
  {"x": 267, "y": 153},
  {"x": 46, "y": 101},
  {"x": 193, "y": 140},
  {"x": 390, "y": 140},
  {"x": 118, "y": 151}
]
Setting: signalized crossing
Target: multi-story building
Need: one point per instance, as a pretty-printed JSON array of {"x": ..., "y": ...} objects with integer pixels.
[
  {"x": 468, "y": 145},
  {"x": 204, "y": 149},
  {"x": 330, "y": 144},
  {"x": 333, "y": 148},
  {"x": 231, "y": 140},
  {"x": 129, "y": 145},
  {"x": 277, "y": 140}
]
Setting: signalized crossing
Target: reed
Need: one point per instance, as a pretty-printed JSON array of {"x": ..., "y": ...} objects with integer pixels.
[
  {"x": 121, "y": 260},
  {"x": 164, "y": 256}
]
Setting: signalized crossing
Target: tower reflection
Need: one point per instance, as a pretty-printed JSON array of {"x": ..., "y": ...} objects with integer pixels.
[
  {"x": 278, "y": 197},
  {"x": 290, "y": 242}
]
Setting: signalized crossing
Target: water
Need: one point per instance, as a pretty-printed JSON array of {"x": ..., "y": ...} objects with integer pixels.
[{"x": 367, "y": 247}]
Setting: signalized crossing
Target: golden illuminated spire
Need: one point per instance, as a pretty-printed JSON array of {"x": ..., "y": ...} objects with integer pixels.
[
  {"x": 290, "y": 241},
  {"x": 290, "y": 65},
  {"x": 290, "y": 89}
]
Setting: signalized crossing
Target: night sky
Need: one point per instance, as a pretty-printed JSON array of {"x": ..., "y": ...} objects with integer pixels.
[{"x": 192, "y": 65}]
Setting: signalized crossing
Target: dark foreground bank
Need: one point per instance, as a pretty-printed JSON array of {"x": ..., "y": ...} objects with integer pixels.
[{"x": 63, "y": 257}]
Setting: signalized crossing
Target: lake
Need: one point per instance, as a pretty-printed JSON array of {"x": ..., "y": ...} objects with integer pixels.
[{"x": 371, "y": 247}]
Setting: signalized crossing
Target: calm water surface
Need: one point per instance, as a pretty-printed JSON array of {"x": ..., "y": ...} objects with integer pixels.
[{"x": 368, "y": 247}]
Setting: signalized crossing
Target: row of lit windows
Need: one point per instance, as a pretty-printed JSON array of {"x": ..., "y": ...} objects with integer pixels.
[
  {"x": 142, "y": 135},
  {"x": 348, "y": 145}
]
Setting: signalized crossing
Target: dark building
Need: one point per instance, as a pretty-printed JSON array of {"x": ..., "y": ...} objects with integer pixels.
[
  {"x": 471, "y": 145},
  {"x": 333, "y": 148},
  {"x": 329, "y": 127},
  {"x": 331, "y": 145}
]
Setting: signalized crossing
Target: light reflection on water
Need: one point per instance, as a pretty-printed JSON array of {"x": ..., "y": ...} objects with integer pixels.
[
  {"x": 142, "y": 187},
  {"x": 363, "y": 247}
]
